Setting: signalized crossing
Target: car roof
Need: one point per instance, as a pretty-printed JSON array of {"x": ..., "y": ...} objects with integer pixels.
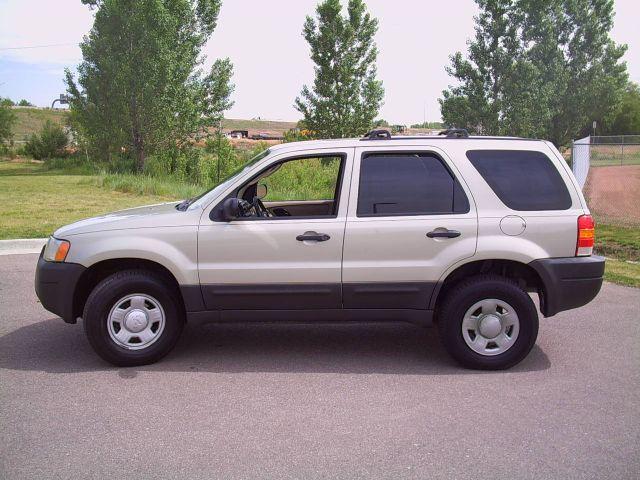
[{"x": 400, "y": 140}]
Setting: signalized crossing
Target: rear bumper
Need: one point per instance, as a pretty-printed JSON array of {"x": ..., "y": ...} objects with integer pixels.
[
  {"x": 568, "y": 282},
  {"x": 55, "y": 286}
]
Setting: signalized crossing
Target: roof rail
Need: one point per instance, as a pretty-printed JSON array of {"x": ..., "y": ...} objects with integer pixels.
[
  {"x": 380, "y": 134},
  {"x": 455, "y": 133}
]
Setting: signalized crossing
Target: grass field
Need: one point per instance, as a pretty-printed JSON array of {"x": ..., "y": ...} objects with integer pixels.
[
  {"x": 621, "y": 246},
  {"x": 614, "y": 155},
  {"x": 34, "y": 202}
]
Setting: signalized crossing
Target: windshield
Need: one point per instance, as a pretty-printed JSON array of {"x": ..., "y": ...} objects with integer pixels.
[{"x": 210, "y": 194}]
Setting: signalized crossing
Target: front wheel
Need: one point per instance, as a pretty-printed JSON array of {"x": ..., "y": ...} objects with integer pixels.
[
  {"x": 488, "y": 322},
  {"x": 133, "y": 318}
]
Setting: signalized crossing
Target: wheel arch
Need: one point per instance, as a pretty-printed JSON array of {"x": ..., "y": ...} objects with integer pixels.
[
  {"x": 526, "y": 276},
  {"x": 97, "y": 272}
]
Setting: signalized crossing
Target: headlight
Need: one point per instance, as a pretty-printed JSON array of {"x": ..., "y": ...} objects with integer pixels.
[{"x": 56, "y": 250}]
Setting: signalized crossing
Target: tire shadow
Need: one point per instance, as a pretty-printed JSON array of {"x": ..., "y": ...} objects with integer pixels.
[{"x": 376, "y": 348}]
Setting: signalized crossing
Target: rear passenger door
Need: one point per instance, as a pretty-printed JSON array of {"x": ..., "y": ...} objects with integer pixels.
[{"x": 410, "y": 218}]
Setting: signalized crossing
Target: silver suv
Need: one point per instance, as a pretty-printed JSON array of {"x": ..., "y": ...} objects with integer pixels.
[{"x": 451, "y": 229}]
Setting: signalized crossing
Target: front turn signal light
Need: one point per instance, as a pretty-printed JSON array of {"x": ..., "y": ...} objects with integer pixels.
[{"x": 56, "y": 250}]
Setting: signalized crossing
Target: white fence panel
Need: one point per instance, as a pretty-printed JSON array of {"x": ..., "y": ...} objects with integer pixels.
[{"x": 581, "y": 157}]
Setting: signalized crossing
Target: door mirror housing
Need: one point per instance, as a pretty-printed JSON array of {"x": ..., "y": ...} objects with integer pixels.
[
  {"x": 261, "y": 190},
  {"x": 230, "y": 209}
]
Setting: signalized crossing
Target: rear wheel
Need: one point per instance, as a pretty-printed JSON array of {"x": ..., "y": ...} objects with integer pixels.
[
  {"x": 488, "y": 322},
  {"x": 133, "y": 317}
]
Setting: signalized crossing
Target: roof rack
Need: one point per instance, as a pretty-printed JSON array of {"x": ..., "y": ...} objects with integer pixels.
[
  {"x": 455, "y": 133},
  {"x": 379, "y": 134}
]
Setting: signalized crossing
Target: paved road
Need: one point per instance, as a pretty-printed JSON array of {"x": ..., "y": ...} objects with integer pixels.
[{"x": 374, "y": 401}]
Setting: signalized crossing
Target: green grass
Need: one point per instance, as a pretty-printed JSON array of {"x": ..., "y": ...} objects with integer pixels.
[
  {"x": 307, "y": 179},
  {"x": 145, "y": 185},
  {"x": 623, "y": 273},
  {"x": 614, "y": 155},
  {"x": 621, "y": 246},
  {"x": 622, "y": 243},
  {"x": 34, "y": 201}
]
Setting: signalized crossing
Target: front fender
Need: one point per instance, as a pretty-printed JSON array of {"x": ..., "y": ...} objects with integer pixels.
[{"x": 175, "y": 248}]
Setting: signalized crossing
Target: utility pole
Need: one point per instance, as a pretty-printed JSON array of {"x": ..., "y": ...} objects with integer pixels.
[{"x": 424, "y": 113}]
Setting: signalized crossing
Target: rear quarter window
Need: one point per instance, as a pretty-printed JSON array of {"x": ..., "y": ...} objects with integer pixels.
[{"x": 523, "y": 180}]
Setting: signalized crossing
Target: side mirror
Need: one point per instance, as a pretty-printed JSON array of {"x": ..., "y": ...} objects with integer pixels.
[
  {"x": 261, "y": 191},
  {"x": 230, "y": 209}
]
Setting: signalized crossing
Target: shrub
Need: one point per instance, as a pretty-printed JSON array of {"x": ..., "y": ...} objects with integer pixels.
[
  {"x": 49, "y": 143},
  {"x": 122, "y": 164},
  {"x": 222, "y": 161},
  {"x": 297, "y": 135},
  {"x": 7, "y": 119},
  {"x": 72, "y": 165},
  {"x": 182, "y": 164}
]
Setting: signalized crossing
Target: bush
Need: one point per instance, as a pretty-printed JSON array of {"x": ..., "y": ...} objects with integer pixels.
[
  {"x": 49, "y": 143},
  {"x": 181, "y": 164},
  {"x": 297, "y": 135},
  {"x": 7, "y": 119},
  {"x": 72, "y": 165}
]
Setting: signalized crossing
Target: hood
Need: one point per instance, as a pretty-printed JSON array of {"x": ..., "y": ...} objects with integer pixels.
[{"x": 159, "y": 215}]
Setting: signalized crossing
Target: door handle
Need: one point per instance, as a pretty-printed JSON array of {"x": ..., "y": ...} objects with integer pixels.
[
  {"x": 313, "y": 236},
  {"x": 443, "y": 233}
]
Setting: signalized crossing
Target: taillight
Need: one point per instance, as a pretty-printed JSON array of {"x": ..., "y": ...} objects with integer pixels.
[{"x": 586, "y": 235}]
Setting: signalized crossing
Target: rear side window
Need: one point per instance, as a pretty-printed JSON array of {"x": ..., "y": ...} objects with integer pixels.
[
  {"x": 523, "y": 180},
  {"x": 408, "y": 184}
]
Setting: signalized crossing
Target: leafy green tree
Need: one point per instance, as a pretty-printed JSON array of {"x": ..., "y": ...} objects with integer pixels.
[
  {"x": 140, "y": 86},
  {"x": 345, "y": 97},
  {"x": 50, "y": 142},
  {"x": 536, "y": 68},
  {"x": 626, "y": 120},
  {"x": 6, "y": 102},
  {"x": 7, "y": 120},
  {"x": 25, "y": 103}
]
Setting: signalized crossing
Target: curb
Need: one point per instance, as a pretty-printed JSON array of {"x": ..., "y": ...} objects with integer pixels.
[{"x": 22, "y": 246}]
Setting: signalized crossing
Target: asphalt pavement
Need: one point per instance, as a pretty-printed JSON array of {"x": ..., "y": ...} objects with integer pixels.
[{"x": 319, "y": 401}]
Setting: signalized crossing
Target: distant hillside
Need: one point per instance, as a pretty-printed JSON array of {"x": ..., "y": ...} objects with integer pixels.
[
  {"x": 257, "y": 126},
  {"x": 30, "y": 120}
]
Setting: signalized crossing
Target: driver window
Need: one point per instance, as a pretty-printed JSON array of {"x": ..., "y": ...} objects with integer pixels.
[{"x": 302, "y": 187}]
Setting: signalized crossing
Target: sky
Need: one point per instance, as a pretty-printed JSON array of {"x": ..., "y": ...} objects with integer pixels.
[{"x": 270, "y": 56}]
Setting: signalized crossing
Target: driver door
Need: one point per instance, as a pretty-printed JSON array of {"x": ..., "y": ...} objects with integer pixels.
[{"x": 291, "y": 261}]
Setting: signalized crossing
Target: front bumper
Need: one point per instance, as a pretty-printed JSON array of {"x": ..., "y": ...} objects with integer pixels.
[
  {"x": 568, "y": 282},
  {"x": 55, "y": 286}
]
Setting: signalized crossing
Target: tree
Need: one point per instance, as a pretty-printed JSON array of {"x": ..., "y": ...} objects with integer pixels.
[
  {"x": 25, "y": 103},
  {"x": 539, "y": 68},
  {"x": 345, "y": 97},
  {"x": 626, "y": 120},
  {"x": 7, "y": 119},
  {"x": 50, "y": 142},
  {"x": 140, "y": 85}
]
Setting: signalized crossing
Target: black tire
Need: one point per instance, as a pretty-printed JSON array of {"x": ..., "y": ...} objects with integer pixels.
[
  {"x": 113, "y": 288},
  {"x": 462, "y": 297}
]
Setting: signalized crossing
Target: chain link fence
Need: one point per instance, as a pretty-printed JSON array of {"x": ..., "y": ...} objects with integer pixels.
[{"x": 608, "y": 170}]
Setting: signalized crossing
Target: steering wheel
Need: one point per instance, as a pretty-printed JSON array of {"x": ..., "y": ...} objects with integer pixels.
[{"x": 260, "y": 209}]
